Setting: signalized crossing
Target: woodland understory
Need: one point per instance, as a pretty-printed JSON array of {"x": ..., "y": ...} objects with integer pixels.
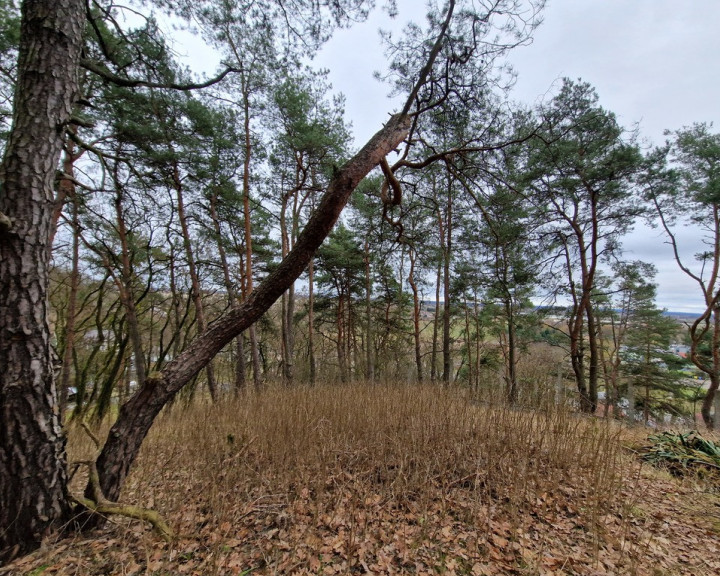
[
  {"x": 394, "y": 479},
  {"x": 198, "y": 268}
]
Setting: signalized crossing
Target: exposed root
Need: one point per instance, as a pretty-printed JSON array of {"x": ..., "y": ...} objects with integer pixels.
[
  {"x": 151, "y": 516},
  {"x": 98, "y": 503}
]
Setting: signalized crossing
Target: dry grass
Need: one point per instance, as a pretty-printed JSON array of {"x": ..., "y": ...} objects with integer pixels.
[{"x": 379, "y": 479}]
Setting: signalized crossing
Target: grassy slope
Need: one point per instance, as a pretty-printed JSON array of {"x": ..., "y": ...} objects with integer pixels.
[{"x": 394, "y": 480}]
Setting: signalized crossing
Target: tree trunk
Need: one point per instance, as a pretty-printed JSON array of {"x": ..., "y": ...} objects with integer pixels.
[
  {"x": 631, "y": 401},
  {"x": 340, "y": 326},
  {"x": 192, "y": 270},
  {"x": 577, "y": 360},
  {"x": 287, "y": 300},
  {"x": 478, "y": 341},
  {"x": 311, "y": 320},
  {"x": 369, "y": 356},
  {"x": 416, "y": 315},
  {"x": 712, "y": 398},
  {"x": 69, "y": 336},
  {"x": 576, "y": 323},
  {"x": 32, "y": 445},
  {"x": 709, "y": 403},
  {"x": 468, "y": 342},
  {"x": 436, "y": 323},
  {"x": 511, "y": 361},
  {"x": 646, "y": 380},
  {"x": 232, "y": 294},
  {"x": 254, "y": 351},
  {"x": 290, "y": 337},
  {"x": 125, "y": 286},
  {"x": 593, "y": 368},
  {"x": 447, "y": 251},
  {"x": 138, "y": 414}
]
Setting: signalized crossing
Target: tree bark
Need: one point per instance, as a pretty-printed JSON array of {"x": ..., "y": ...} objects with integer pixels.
[
  {"x": 340, "y": 327},
  {"x": 311, "y": 322},
  {"x": 288, "y": 299},
  {"x": 138, "y": 414},
  {"x": 125, "y": 284},
  {"x": 232, "y": 294},
  {"x": 32, "y": 445},
  {"x": 593, "y": 368},
  {"x": 447, "y": 255},
  {"x": 511, "y": 360},
  {"x": 193, "y": 272},
  {"x": 369, "y": 356},
  {"x": 254, "y": 351},
  {"x": 67, "y": 190},
  {"x": 436, "y": 320},
  {"x": 416, "y": 315}
]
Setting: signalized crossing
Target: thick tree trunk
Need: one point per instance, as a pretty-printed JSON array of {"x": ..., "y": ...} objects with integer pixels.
[
  {"x": 137, "y": 415},
  {"x": 711, "y": 368},
  {"x": 32, "y": 445},
  {"x": 576, "y": 324},
  {"x": 709, "y": 419},
  {"x": 577, "y": 360}
]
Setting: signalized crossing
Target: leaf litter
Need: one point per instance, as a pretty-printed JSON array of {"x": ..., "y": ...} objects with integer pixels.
[{"x": 345, "y": 513}]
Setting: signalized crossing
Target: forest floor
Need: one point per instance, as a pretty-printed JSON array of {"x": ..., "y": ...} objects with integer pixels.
[{"x": 394, "y": 480}]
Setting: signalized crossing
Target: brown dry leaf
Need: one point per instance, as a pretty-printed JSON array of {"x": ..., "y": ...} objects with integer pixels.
[{"x": 499, "y": 541}]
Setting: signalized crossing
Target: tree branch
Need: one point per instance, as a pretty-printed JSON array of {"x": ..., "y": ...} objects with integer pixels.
[
  {"x": 97, "y": 68},
  {"x": 425, "y": 72}
]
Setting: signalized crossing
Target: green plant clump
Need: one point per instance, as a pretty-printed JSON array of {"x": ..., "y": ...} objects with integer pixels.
[{"x": 681, "y": 453}]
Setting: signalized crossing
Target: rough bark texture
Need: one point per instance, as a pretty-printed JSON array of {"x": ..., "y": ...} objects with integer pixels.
[
  {"x": 138, "y": 414},
  {"x": 33, "y": 477}
]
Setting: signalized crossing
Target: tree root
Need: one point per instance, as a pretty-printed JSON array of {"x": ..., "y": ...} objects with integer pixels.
[
  {"x": 106, "y": 507},
  {"x": 101, "y": 505}
]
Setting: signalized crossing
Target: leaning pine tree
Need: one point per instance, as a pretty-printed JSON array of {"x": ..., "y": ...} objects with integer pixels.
[{"x": 34, "y": 498}]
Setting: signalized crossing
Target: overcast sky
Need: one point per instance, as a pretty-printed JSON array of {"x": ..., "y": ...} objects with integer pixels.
[{"x": 652, "y": 62}]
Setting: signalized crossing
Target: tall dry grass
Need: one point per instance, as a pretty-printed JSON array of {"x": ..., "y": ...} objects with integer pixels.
[
  {"x": 406, "y": 451},
  {"x": 404, "y": 441}
]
